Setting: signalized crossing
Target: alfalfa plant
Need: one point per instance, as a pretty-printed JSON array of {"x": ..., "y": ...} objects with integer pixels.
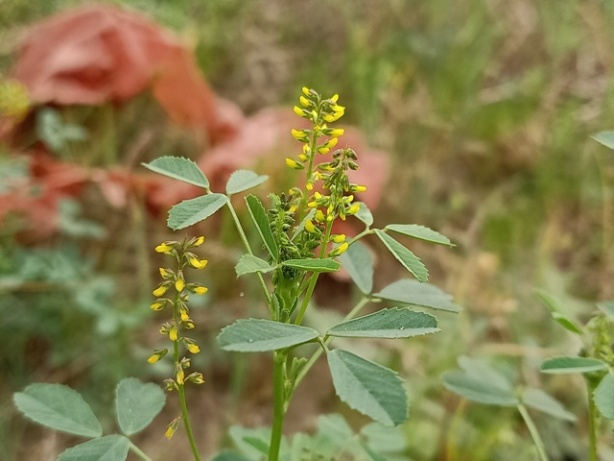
[{"x": 298, "y": 242}]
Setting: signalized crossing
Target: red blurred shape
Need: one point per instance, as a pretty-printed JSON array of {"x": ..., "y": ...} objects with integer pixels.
[{"x": 102, "y": 53}]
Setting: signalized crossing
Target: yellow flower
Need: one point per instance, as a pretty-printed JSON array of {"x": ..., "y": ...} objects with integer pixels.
[
  {"x": 293, "y": 164},
  {"x": 179, "y": 284},
  {"x": 334, "y": 98},
  {"x": 165, "y": 273},
  {"x": 302, "y": 157},
  {"x": 183, "y": 313},
  {"x": 304, "y": 101},
  {"x": 180, "y": 376},
  {"x": 193, "y": 348},
  {"x": 173, "y": 333},
  {"x": 320, "y": 216},
  {"x": 197, "y": 263},
  {"x": 305, "y": 91},
  {"x": 299, "y": 111},
  {"x": 299, "y": 135},
  {"x": 329, "y": 118},
  {"x": 158, "y": 305},
  {"x": 196, "y": 378},
  {"x": 309, "y": 186},
  {"x": 336, "y": 108},
  {"x": 340, "y": 249},
  {"x": 309, "y": 226},
  {"x": 163, "y": 248},
  {"x": 160, "y": 291},
  {"x": 200, "y": 290},
  {"x": 323, "y": 150},
  {"x": 337, "y": 132},
  {"x": 338, "y": 238},
  {"x": 198, "y": 242},
  {"x": 171, "y": 428},
  {"x": 359, "y": 188},
  {"x": 354, "y": 209}
]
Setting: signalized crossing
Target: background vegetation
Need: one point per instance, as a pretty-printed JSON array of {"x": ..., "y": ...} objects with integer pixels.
[{"x": 486, "y": 109}]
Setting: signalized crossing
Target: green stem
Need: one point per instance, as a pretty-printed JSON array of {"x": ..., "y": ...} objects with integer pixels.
[
  {"x": 593, "y": 422},
  {"x": 279, "y": 401},
  {"x": 248, "y": 248},
  {"x": 140, "y": 453},
  {"x": 186, "y": 421},
  {"x": 316, "y": 355},
  {"x": 539, "y": 445}
]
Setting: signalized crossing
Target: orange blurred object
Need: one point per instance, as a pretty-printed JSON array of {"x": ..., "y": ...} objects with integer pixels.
[{"x": 102, "y": 53}]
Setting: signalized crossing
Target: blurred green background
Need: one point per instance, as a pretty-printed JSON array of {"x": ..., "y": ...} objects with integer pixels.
[{"x": 486, "y": 109}]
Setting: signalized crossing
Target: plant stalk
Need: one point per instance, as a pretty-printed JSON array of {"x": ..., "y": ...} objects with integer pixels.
[
  {"x": 537, "y": 441},
  {"x": 593, "y": 422},
  {"x": 279, "y": 401},
  {"x": 140, "y": 453}
]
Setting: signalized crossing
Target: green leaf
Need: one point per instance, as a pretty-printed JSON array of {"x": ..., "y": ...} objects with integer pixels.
[
  {"x": 572, "y": 364},
  {"x": 248, "y": 264},
  {"x": 607, "y": 307},
  {"x": 58, "y": 407},
  {"x": 108, "y": 448},
  {"x": 364, "y": 214},
  {"x": 369, "y": 388},
  {"x": 258, "y": 335},
  {"x": 480, "y": 382},
  {"x": 415, "y": 293},
  {"x": 539, "y": 400},
  {"x": 242, "y": 180},
  {"x": 604, "y": 396},
  {"x": 259, "y": 216},
  {"x": 409, "y": 260},
  {"x": 475, "y": 389},
  {"x": 606, "y": 138},
  {"x": 179, "y": 168},
  {"x": 190, "y": 212},
  {"x": 137, "y": 404},
  {"x": 313, "y": 264},
  {"x": 420, "y": 232},
  {"x": 388, "y": 323},
  {"x": 557, "y": 313},
  {"x": 359, "y": 263}
]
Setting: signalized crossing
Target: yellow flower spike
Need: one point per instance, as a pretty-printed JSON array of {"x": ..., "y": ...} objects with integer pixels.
[
  {"x": 299, "y": 111},
  {"x": 158, "y": 305},
  {"x": 180, "y": 377},
  {"x": 192, "y": 348},
  {"x": 338, "y": 238},
  {"x": 304, "y": 101},
  {"x": 309, "y": 226},
  {"x": 163, "y": 248},
  {"x": 354, "y": 209},
  {"x": 340, "y": 249},
  {"x": 197, "y": 263},
  {"x": 337, "y": 132},
  {"x": 320, "y": 216},
  {"x": 173, "y": 334},
  {"x": 160, "y": 291},
  {"x": 179, "y": 284},
  {"x": 293, "y": 164},
  {"x": 305, "y": 91},
  {"x": 200, "y": 290}
]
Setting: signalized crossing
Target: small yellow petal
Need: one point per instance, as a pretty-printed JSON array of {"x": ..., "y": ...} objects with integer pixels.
[
  {"x": 338, "y": 238},
  {"x": 354, "y": 209},
  {"x": 305, "y": 91},
  {"x": 180, "y": 376},
  {"x": 334, "y": 98},
  {"x": 200, "y": 290},
  {"x": 340, "y": 249},
  {"x": 158, "y": 306},
  {"x": 160, "y": 291},
  {"x": 337, "y": 132},
  {"x": 199, "y": 241},
  {"x": 163, "y": 248},
  {"x": 173, "y": 334},
  {"x": 332, "y": 142},
  {"x": 193, "y": 348},
  {"x": 309, "y": 226},
  {"x": 320, "y": 216},
  {"x": 304, "y": 101},
  {"x": 179, "y": 284},
  {"x": 299, "y": 111}
]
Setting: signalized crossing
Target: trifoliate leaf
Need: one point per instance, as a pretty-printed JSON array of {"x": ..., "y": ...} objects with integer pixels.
[
  {"x": 313, "y": 264},
  {"x": 369, "y": 388},
  {"x": 137, "y": 404},
  {"x": 179, "y": 168},
  {"x": 249, "y": 264},
  {"x": 258, "y": 335},
  {"x": 572, "y": 364},
  {"x": 604, "y": 396},
  {"x": 58, "y": 407},
  {"x": 359, "y": 263},
  {"x": 420, "y": 232},
  {"x": 190, "y": 212},
  {"x": 539, "y": 400},
  {"x": 388, "y": 323},
  {"x": 108, "y": 448},
  {"x": 260, "y": 219},
  {"x": 476, "y": 390},
  {"x": 415, "y": 293},
  {"x": 409, "y": 260},
  {"x": 242, "y": 180}
]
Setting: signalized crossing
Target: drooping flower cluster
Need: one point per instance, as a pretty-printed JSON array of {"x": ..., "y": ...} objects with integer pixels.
[
  {"x": 327, "y": 191},
  {"x": 173, "y": 292}
]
